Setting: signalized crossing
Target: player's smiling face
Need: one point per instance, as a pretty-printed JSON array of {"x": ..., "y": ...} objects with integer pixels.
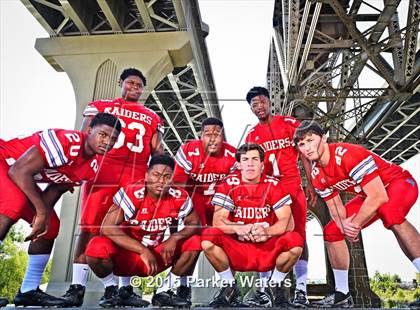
[
  {"x": 132, "y": 88},
  {"x": 158, "y": 180},
  {"x": 260, "y": 106},
  {"x": 311, "y": 146},
  {"x": 101, "y": 139},
  {"x": 212, "y": 139},
  {"x": 251, "y": 166}
]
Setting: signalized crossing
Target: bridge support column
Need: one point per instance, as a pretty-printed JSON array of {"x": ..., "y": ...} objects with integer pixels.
[
  {"x": 93, "y": 64},
  {"x": 363, "y": 296}
]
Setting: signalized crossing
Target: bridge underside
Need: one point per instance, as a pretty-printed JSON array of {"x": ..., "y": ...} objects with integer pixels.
[{"x": 353, "y": 66}]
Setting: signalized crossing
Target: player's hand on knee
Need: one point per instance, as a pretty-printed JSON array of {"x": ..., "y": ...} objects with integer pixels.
[
  {"x": 40, "y": 224},
  {"x": 150, "y": 260},
  {"x": 351, "y": 230},
  {"x": 168, "y": 251}
]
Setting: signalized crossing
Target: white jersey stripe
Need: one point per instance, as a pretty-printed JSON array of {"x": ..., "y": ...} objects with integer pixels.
[
  {"x": 185, "y": 209},
  {"x": 324, "y": 193},
  {"x": 90, "y": 111},
  {"x": 286, "y": 200},
  {"x": 182, "y": 161},
  {"x": 52, "y": 148},
  {"x": 362, "y": 169},
  {"x": 224, "y": 198},
  {"x": 123, "y": 201}
]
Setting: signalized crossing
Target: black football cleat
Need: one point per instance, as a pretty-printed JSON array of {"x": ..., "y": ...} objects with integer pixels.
[
  {"x": 225, "y": 297},
  {"x": 280, "y": 299},
  {"x": 184, "y": 292},
  {"x": 169, "y": 299},
  {"x": 74, "y": 295},
  {"x": 335, "y": 300},
  {"x": 300, "y": 300},
  {"x": 110, "y": 298},
  {"x": 3, "y": 302},
  {"x": 37, "y": 298},
  {"x": 257, "y": 299},
  {"x": 127, "y": 298}
]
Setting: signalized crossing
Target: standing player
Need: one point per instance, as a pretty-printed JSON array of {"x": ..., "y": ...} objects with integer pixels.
[
  {"x": 378, "y": 185},
  {"x": 252, "y": 228},
  {"x": 133, "y": 232},
  {"x": 199, "y": 165},
  {"x": 126, "y": 163},
  {"x": 61, "y": 158},
  {"x": 274, "y": 133}
]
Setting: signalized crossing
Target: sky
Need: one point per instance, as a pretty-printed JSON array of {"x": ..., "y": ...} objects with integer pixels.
[{"x": 34, "y": 96}]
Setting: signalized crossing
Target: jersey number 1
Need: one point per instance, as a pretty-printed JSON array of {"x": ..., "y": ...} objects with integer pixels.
[{"x": 273, "y": 161}]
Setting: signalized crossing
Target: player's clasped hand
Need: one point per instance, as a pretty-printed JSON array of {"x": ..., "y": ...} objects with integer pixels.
[
  {"x": 259, "y": 232},
  {"x": 168, "y": 250},
  {"x": 350, "y": 229},
  {"x": 39, "y": 226},
  {"x": 150, "y": 261},
  {"x": 244, "y": 232}
]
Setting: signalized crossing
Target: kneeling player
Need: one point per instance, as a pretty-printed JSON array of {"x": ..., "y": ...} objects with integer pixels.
[
  {"x": 133, "y": 231},
  {"x": 252, "y": 228},
  {"x": 62, "y": 158},
  {"x": 384, "y": 191}
]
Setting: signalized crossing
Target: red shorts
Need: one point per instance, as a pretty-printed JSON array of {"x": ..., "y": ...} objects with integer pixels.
[
  {"x": 249, "y": 256},
  {"x": 402, "y": 194},
  {"x": 298, "y": 206},
  {"x": 204, "y": 208},
  {"x": 129, "y": 263},
  {"x": 97, "y": 195},
  {"x": 15, "y": 205}
]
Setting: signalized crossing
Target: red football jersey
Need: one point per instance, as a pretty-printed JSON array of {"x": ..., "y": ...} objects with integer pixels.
[
  {"x": 251, "y": 203},
  {"x": 148, "y": 219},
  {"x": 350, "y": 168},
  {"x": 138, "y": 126},
  {"x": 200, "y": 170},
  {"x": 62, "y": 151},
  {"x": 277, "y": 141}
]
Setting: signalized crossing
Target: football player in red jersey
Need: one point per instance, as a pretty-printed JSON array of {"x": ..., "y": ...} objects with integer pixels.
[
  {"x": 253, "y": 228},
  {"x": 199, "y": 165},
  {"x": 133, "y": 235},
  {"x": 275, "y": 135},
  {"x": 125, "y": 163},
  {"x": 378, "y": 185},
  {"x": 61, "y": 158}
]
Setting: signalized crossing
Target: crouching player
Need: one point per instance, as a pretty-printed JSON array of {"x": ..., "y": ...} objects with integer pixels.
[
  {"x": 384, "y": 191},
  {"x": 252, "y": 228},
  {"x": 133, "y": 232},
  {"x": 61, "y": 158}
]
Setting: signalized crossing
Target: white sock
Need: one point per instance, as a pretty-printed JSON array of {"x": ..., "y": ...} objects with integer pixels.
[
  {"x": 124, "y": 281},
  {"x": 278, "y": 276},
  {"x": 301, "y": 272},
  {"x": 264, "y": 277},
  {"x": 80, "y": 274},
  {"x": 226, "y": 276},
  {"x": 168, "y": 283},
  {"x": 341, "y": 278},
  {"x": 34, "y": 271},
  {"x": 183, "y": 281},
  {"x": 109, "y": 280},
  {"x": 416, "y": 263}
]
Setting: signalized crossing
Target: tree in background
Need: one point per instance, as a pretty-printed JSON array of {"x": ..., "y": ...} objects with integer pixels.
[
  {"x": 13, "y": 260},
  {"x": 388, "y": 288}
]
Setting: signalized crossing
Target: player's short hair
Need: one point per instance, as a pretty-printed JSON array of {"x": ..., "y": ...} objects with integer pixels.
[
  {"x": 244, "y": 148},
  {"x": 106, "y": 119},
  {"x": 257, "y": 91},
  {"x": 307, "y": 127},
  {"x": 162, "y": 160},
  {"x": 133, "y": 71},
  {"x": 211, "y": 121}
]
